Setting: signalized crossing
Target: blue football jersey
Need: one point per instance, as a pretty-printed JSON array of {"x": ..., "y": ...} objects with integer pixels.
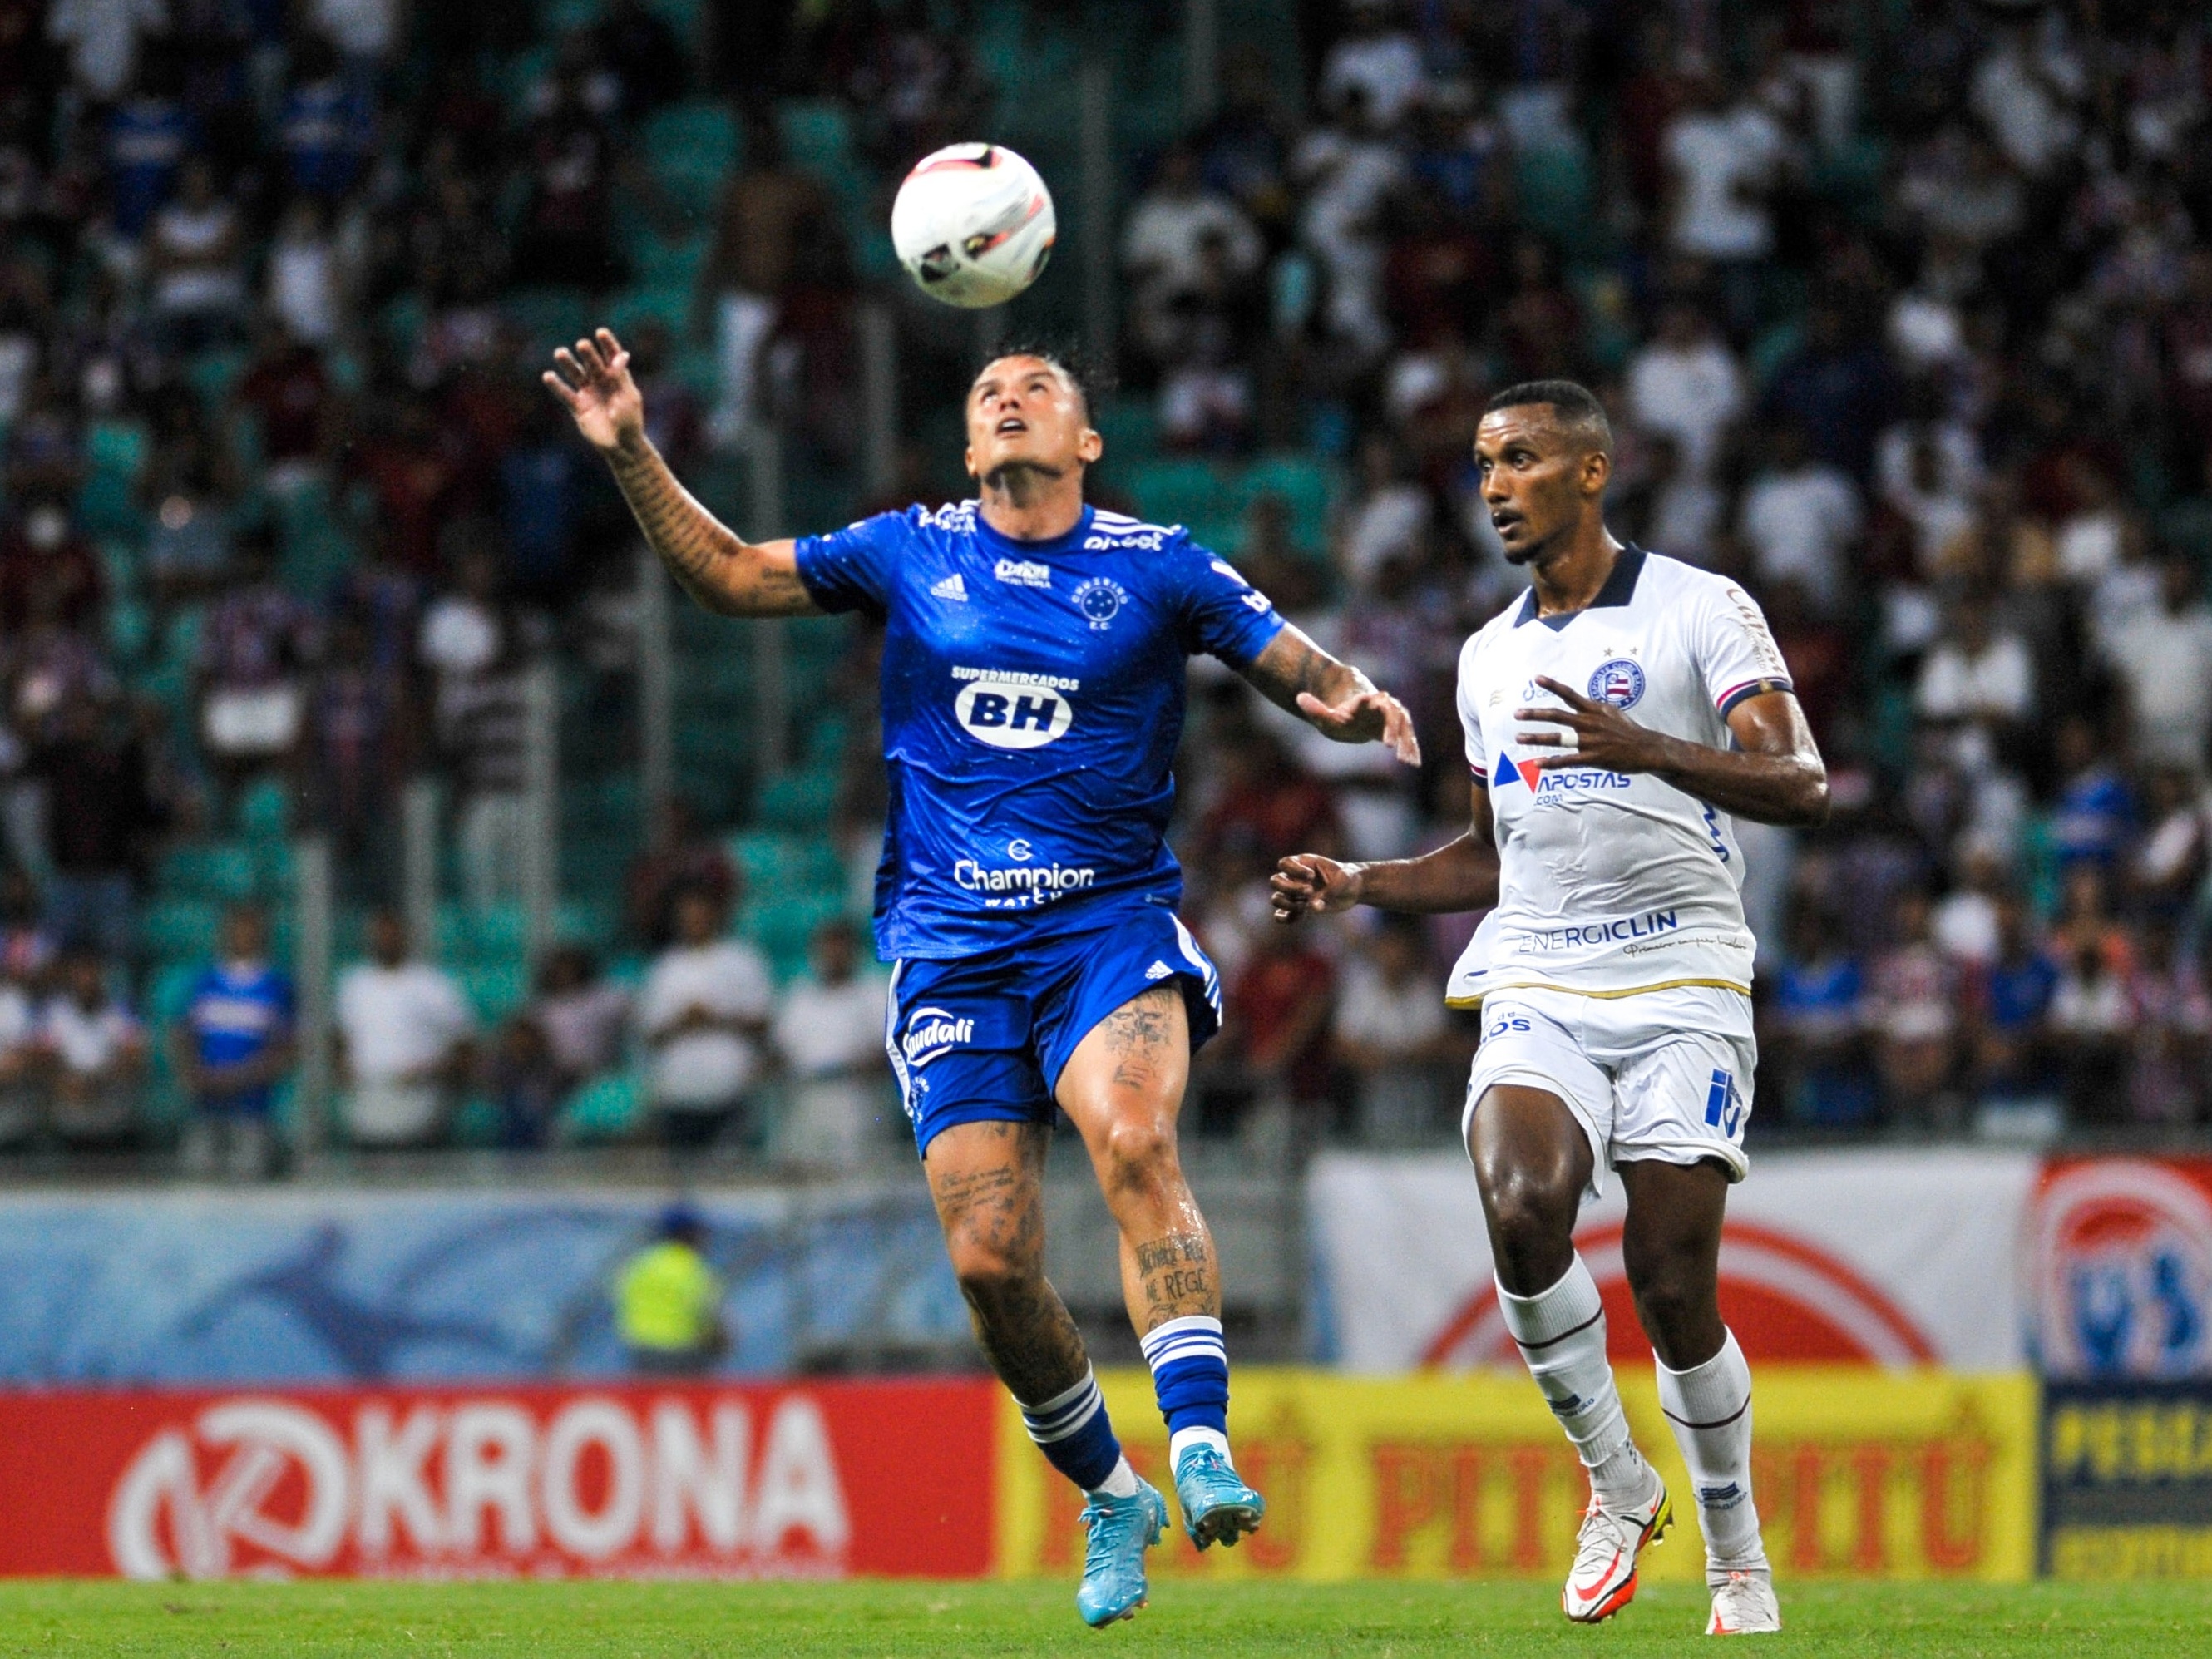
[
  {"x": 1032, "y": 702},
  {"x": 236, "y": 1014}
]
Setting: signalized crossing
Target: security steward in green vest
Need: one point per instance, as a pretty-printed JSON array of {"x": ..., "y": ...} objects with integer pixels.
[{"x": 668, "y": 1300}]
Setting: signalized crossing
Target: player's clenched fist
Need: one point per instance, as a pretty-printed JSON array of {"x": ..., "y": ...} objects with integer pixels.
[
  {"x": 1604, "y": 736},
  {"x": 1307, "y": 881}
]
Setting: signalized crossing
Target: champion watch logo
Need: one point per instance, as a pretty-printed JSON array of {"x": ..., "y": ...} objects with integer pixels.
[{"x": 950, "y": 588}]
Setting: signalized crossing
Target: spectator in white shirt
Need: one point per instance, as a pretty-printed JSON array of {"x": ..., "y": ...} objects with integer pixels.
[
  {"x": 703, "y": 1013},
  {"x": 18, "y": 1051},
  {"x": 405, "y": 1037},
  {"x": 1163, "y": 249},
  {"x": 1977, "y": 682},
  {"x": 1686, "y": 384},
  {"x": 584, "y": 1019},
  {"x": 2163, "y": 656},
  {"x": 98, "y": 1051},
  {"x": 1384, "y": 63},
  {"x": 1726, "y": 158},
  {"x": 196, "y": 256},
  {"x": 1929, "y": 471},
  {"x": 1393, "y": 1031},
  {"x": 1389, "y": 519},
  {"x": 1684, "y": 515},
  {"x": 1799, "y": 517},
  {"x": 1349, "y": 170},
  {"x": 830, "y": 1032}
]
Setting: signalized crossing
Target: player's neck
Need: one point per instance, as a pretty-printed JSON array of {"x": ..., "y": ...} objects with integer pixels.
[
  {"x": 1029, "y": 504},
  {"x": 1569, "y": 577}
]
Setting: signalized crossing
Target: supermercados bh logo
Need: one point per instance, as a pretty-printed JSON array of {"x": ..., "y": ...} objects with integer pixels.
[
  {"x": 933, "y": 1031},
  {"x": 588, "y": 1482},
  {"x": 1012, "y": 710},
  {"x": 2123, "y": 1264},
  {"x": 1619, "y": 681}
]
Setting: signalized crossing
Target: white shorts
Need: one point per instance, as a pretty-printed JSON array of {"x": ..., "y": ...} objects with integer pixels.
[{"x": 1662, "y": 1075}]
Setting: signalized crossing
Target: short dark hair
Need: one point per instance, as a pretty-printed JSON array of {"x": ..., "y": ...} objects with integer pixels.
[
  {"x": 1085, "y": 376},
  {"x": 1574, "y": 404}
]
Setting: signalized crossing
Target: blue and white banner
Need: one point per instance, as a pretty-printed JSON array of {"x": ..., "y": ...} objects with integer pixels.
[{"x": 212, "y": 1286}]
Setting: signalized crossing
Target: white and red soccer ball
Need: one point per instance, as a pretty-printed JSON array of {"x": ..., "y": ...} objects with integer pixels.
[{"x": 973, "y": 225}]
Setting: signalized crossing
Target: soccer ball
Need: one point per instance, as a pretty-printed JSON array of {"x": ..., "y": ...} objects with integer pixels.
[{"x": 973, "y": 225}]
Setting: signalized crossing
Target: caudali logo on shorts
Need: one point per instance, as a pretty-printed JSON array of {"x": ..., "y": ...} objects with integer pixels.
[
  {"x": 1012, "y": 710},
  {"x": 933, "y": 1031}
]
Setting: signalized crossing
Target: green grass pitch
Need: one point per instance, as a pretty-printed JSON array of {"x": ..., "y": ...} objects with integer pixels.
[{"x": 1361, "y": 1621}]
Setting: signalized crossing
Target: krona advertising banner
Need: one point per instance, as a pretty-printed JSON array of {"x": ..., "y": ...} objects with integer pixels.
[
  {"x": 643, "y": 1481},
  {"x": 1891, "y": 1258}
]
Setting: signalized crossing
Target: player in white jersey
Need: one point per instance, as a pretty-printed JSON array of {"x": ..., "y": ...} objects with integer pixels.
[{"x": 1617, "y": 717}]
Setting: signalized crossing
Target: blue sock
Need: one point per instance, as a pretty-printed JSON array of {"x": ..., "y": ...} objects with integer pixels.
[
  {"x": 1190, "y": 1375},
  {"x": 1073, "y": 1433}
]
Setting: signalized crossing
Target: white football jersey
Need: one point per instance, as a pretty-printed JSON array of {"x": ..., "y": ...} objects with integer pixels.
[{"x": 1612, "y": 883}]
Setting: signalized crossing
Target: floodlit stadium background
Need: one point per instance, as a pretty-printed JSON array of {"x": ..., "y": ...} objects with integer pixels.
[{"x": 309, "y": 597}]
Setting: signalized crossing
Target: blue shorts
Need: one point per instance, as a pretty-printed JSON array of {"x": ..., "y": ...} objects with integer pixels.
[{"x": 983, "y": 1038}]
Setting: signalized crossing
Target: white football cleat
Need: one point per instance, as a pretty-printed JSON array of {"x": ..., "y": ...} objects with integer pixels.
[
  {"x": 1744, "y": 1604},
  {"x": 1602, "y": 1580}
]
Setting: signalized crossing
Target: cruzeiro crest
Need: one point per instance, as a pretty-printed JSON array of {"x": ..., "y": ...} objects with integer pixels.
[
  {"x": 1100, "y": 600},
  {"x": 1619, "y": 681}
]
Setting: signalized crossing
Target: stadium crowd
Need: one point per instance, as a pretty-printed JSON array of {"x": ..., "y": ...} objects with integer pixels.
[{"x": 1904, "y": 315}]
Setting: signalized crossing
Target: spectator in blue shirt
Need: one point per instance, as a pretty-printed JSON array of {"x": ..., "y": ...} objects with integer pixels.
[
  {"x": 2011, "y": 1003},
  {"x": 1816, "y": 1020},
  {"x": 149, "y": 137},
  {"x": 232, "y": 1047},
  {"x": 327, "y": 123},
  {"x": 2095, "y": 812}
]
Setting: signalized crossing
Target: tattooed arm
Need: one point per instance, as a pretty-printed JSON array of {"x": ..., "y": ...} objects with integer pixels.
[
  {"x": 717, "y": 567},
  {"x": 1332, "y": 697}
]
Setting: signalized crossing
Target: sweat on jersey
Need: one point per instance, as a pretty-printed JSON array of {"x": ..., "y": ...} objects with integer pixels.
[
  {"x": 1612, "y": 883},
  {"x": 1032, "y": 702}
]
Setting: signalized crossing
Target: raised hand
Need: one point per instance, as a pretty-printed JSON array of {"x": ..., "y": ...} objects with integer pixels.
[
  {"x": 1604, "y": 736},
  {"x": 1308, "y": 882},
  {"x": 593, "y": 381},
  {"x": 1364, "y": 716}
]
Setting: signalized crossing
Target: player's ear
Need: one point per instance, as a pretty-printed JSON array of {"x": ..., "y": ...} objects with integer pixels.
[
  {"x": 1598, "y": 469},
  {"x": 968, "y": 461},
  {"x": 1088, "y": 445}
]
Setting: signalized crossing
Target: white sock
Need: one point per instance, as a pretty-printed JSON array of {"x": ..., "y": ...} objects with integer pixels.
[
  {"x": 1709, "y": 1407},
  {"x": 1561, "y": 1334},
  {"x": 1123, "y": 1483},
  {"x": 1213, "y": 1437}
]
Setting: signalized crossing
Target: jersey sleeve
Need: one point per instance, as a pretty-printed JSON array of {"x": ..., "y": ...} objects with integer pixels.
[
  {"x": 1736, "y": 653},
  {"x": 851, "y": 569},
  {"x": 1220, "y": 612},
  {"x": 1470, "y": 717}
]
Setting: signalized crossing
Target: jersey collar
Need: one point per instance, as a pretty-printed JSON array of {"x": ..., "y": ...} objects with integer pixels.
[
  {"x": 1067, "y": 542},
  {"x": 1620, "y": 588}
]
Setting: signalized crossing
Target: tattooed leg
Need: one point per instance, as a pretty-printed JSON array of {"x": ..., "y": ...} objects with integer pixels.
[
  {"x": 1123, "y": 1088},
  {"x": 988, "y": 1180}
]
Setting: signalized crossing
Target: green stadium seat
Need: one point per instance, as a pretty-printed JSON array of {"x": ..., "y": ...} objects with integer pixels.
[
  {"x": 218, "y": 870},
  {"x": 494, "y": 990},
  {"x": 1302, "y": 485},
  {"x": 1182, "y": 490},
  {"x": 178, "y": 929},
  {"x": 609, "y": 1108},
  {"x": 690, "y": 148},
  {"x": 799, "y": 799},
  {"x": 1131, "y": 428},
  {"x": 549, "y": 315}
]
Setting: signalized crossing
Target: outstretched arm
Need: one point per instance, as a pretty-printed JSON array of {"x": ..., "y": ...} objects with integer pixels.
[
  {"x": 1774, "y": 775},
  {"x": 716, "y": 566},
  {"x": 1463, "y": 875},
  {"x": 1332, "y": 697}
]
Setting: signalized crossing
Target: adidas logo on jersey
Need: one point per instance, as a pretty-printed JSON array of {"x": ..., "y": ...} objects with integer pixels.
[
  {"x": 950, "y": 588},
  {"x": 1158, "y": 970}
]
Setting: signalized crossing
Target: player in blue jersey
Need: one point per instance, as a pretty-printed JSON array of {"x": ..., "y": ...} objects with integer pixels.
[
  {"x": 233, "y": 1044},
  {"x": 1032, "y": 700}
]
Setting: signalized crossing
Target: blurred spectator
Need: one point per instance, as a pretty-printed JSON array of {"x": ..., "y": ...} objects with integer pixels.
[
  {"x": 1913, "y": 1012},
  {"x": 642, "y": 53},
  {"x": 256, "y": 647},
  {"x": 525, "y": 1082},
  {"x": 102, "y": 38},
  {"x": 584, "y": 1017},
  {"x": 358, "y": 741},
  {"x": 2094, "y": 815},
  {"x": 1349, "y": 170},
  {"x": 2090, "y": 1036},
  {"x": 96, "y": 1049},
  {"x": 1182, "y": 241},
  {"x": 1726, "y": 155},
  {"x": 1685, "y": 385},
  {"x": 1387, "y": 518},
  {"x": 20, "y": 1056},
  {"x": 668, "y": 1301},
  {"x": 405, "y": 1036},
  {"x": 2170, "y": 1031},
  {"x": 1815, "y": 1026},
  {"x": 703, "y": 1013},
  {"x": 2163, "y": 656},
  {"x": 196, "y": 257},
  {"x": 829, "y": 1032},
  {"x": 306, "y": 285},
  {"x": 484, "y": 722},
  {"x": 2014, "y": 1010},
  {"x": 1275, "y": 1033},
  {"x": 682, "y": 857},
  {"x": 44, "y": 550},
  {"x": 1837, "y": 387},
  {"x": 326, "y": 126},
  {"x": 101, "y": 817},
  {"x": 232, "y": 1048},
  {"x": 767, "y": 211},
  {"x": 1965, "y": 925},
  {"x": 288, "y": 391},
  {"x": 1383, "y": 62},
  {"x": 1977, "y": 680},
  {"x": 2169, "y": 864},
  {"x": 1799, "y": 518},
  {"x": 150, "y": 134},
  {"x": 1393, "y": 1032}
]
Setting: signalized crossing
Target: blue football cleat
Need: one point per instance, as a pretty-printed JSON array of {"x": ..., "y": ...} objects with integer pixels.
[
  {"x": 1121, "y": 1529},
  {"x": 1217, "y": 1507}
]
